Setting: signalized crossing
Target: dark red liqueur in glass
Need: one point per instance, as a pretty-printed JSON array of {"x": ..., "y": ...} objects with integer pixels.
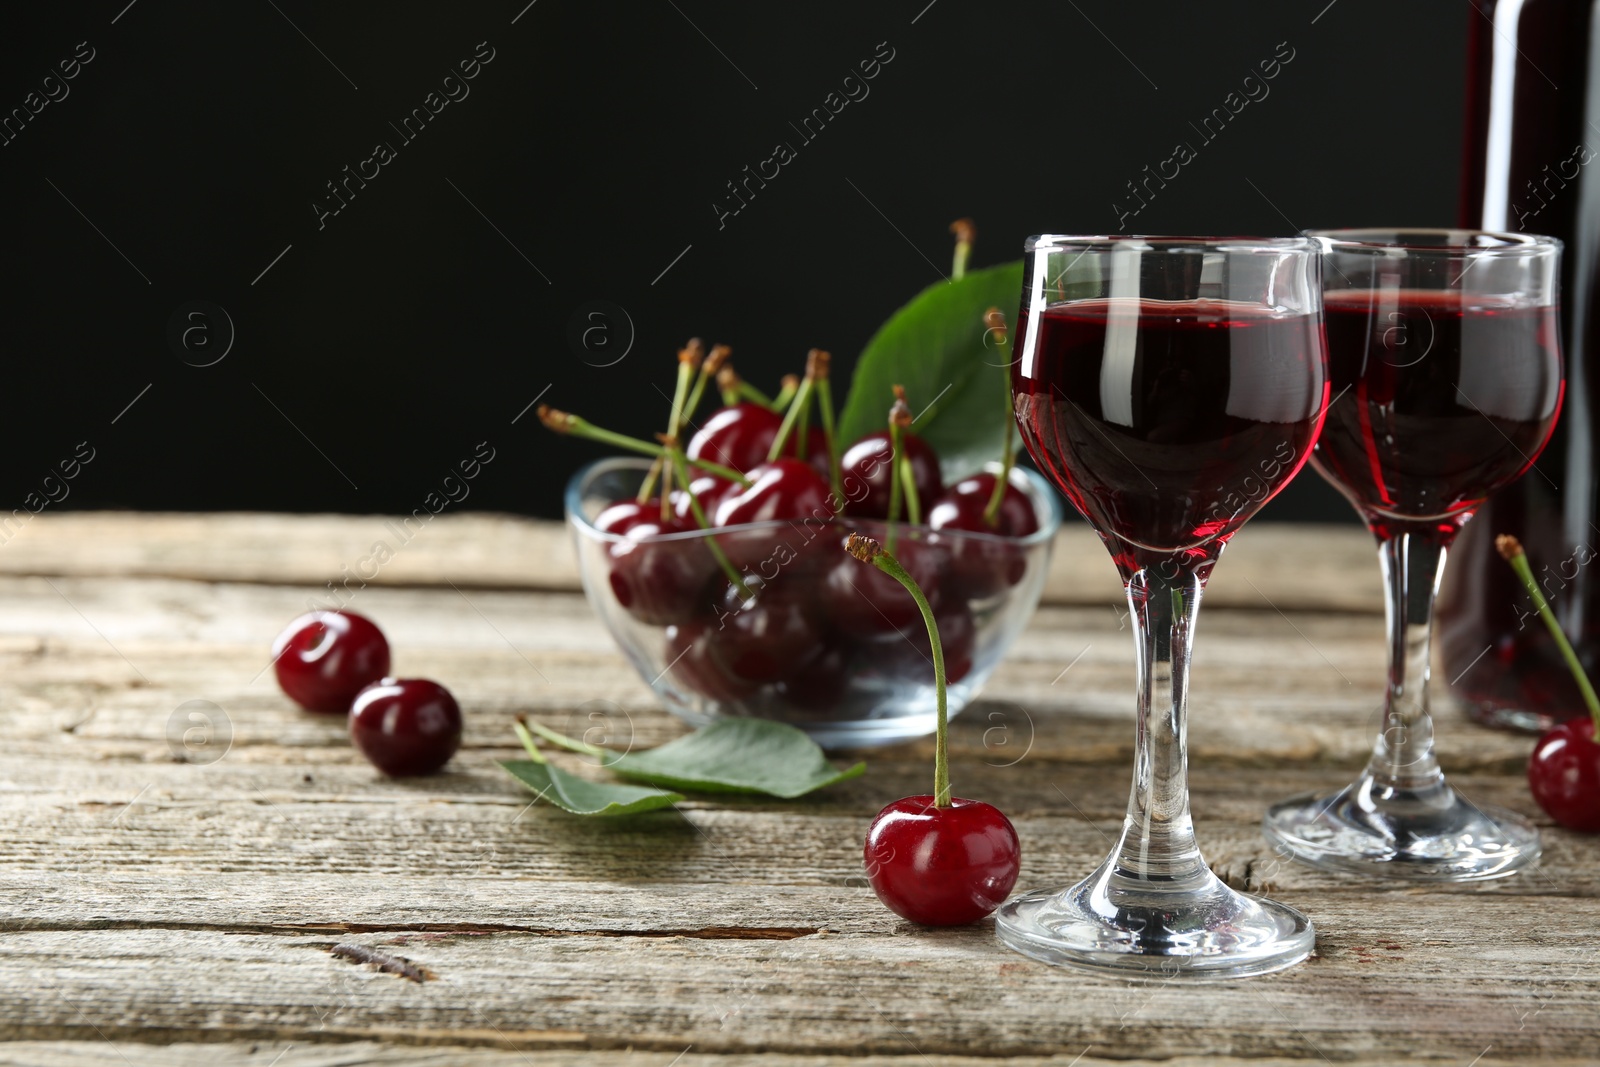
[
  {"x": 1439, "y": 398},
  {"x": 1169, "y": 423},
  {"x": 1533, "y": 90}
]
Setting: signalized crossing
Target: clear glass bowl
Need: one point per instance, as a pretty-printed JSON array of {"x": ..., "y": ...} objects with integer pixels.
[{"x": 867, "y": 677}]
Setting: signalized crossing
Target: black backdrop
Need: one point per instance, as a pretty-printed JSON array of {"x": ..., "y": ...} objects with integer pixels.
[{"x": 166, "y": 196}]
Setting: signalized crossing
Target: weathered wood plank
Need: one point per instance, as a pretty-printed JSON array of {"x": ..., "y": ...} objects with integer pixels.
[
  {"x": 121, "y": 656},
  {"x": 94, "y": 1053},
  {"x": 1385, "y": 981},
  {"x": 1293, "y": 567}
]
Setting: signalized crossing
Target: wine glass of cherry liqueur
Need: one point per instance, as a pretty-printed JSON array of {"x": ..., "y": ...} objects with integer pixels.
[
  {"x": 1169, "y": 386},
  {"x": 1444, "y": 357}
]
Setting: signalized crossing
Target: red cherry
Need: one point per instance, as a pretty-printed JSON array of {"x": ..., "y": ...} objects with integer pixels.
[
  {"x": 624, "y": 515},
  {"x": 1564, "y": 775},
  {"x": 660, "y": 582},
  {"x": 767, "y": 637},
  {"x": 690, "y": 663},
  {"x": 324, "y": 658},
  {"x": 787, "y": 489},
  {"x": 867, "y": 471},
  {"x": 406, "y": 726},
  {"x": 709, "y": 490},
  {"x": 942, "y": 866},
  {"x": 909, "y": 654},
  {"x": 740, "y": 436},
  {"x": 981, "y": 567},
  {"x": 862, "y": 601}
]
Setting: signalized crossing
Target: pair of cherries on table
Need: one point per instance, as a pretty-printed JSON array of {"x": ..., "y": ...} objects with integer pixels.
[
  {"x": 337, "y": 663},
  {"x": 800, "y": 633}
]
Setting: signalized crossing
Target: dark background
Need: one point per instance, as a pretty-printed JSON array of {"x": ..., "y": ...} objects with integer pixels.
[{"x": 431, "y": 311}]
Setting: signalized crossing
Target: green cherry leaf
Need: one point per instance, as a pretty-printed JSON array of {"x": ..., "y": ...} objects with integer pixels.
[
  {"x": 583, "y": 797},
  {"x": 955, "y": 378},
  {"x": 730, "y": 756}
]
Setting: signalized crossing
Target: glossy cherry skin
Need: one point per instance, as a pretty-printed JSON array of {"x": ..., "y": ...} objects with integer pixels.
[
  {"x": 624, "y": 515},
  {"x": 862, "y": 601},
  {"x": 786, "y": 489},
  {"x": 740, "y": 436},
  {"x": 1564, "y": 775},
  {"x": 691, "y": 664},
  {"x": 708, "y": 490},
  {"x": 978, "y": 566},
  {"x": 767, "y": 637},
  {"x": 660, "y": 582},
  {"x": 406, "y": 726},
  {"x": 867, "y": 470},
  {"x": 911, "y": 656},
  {"x": 324, "y": 658},
  {"x": 942, "y": 866}
]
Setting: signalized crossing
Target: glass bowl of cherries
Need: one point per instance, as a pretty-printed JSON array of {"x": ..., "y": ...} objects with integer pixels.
[{"x": 718, "y": 564}]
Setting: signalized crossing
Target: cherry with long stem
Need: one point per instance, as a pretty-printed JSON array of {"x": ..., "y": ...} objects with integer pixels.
[
  {"x": 1510, "y": 550},
  {"x": 936, "y": 859}
]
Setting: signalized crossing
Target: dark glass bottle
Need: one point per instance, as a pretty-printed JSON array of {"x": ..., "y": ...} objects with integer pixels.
[{"x": 1532, "y": 165}]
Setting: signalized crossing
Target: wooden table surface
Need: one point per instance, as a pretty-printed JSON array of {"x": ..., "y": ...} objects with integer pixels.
[{"x": 161, "y": 910}]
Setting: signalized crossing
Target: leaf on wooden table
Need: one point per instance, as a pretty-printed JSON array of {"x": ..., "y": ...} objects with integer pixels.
[
  {"x": 730, "y": 756},
  {"x": 583, "y": 797}
]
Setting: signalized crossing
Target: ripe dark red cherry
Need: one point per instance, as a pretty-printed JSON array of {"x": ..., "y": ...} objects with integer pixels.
[
  {"x": 660, "y": 582},
  {"x": 624, "y": 515},
  {"x": 324, "y": 658},
  {"x": 767, "y": 637},
  {"x": 981, "y": 567},
  {"x": 784, "y": 489},
  {"x": 1564, "y": 775},
  {"x": 690, "y": 663},
  {"x": 942, "y": 866},
  {"x": 740, "y": 436},
  {"x": 708, "y": 489},
  {"x": 865, "y": 602},
  {"x": 406, "y": 726},
  {"x": 867, "y": 471}
]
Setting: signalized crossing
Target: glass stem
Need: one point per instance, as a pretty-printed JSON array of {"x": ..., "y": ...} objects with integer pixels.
[
  {"x": 1403, "y": 762},
  {"x": 1158, "y": 843}
]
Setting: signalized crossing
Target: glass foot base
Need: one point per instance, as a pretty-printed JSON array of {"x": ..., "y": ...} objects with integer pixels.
[
  {"x": 1149, "y": 932},
  {"x": 1430, "y": 835}
]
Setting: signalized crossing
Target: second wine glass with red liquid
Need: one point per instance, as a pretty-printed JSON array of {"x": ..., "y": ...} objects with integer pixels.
[
  {"x": 1169, "y": 387},
  {"x": 1444, "y": 354}
]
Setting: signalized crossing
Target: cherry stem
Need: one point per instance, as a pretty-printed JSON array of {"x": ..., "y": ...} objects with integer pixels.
[
  {"x": 576, "y": 426},
  {"x": 520, "y": 725},
  {"x": 899, "y": 467},
  {"x": 996, "y": 322},
  {"x": 817, "y": 365},
  {"x": 798, "y": 407},
  {"x": 788, "y": 388},
  {"x": 571, "y": 744},
  {"x": 965, "y": 233},
  {"x": 711, "y": 368},
  {"x": 894, "y": 484},
  {"x": 1511, "y": 549},
  {"x": 648, "y": 486},
  {"x": 689, "y": 362},
  {"x": 908, "y": 481},
  {"x": 676, "y": 456},
  {"x": 870, "y": 551}
]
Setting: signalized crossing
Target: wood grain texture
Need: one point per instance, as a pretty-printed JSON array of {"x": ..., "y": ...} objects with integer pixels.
[
  {"x": 1267, "y": 564},
  {"x": 170, "y": 904}
]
